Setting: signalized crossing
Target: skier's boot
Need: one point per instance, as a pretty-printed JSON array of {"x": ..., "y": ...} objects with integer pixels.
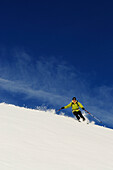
[{"x": 84, "y": 119}]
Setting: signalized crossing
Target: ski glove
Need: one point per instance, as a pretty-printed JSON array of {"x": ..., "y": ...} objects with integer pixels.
[{"x": 62, "y": 107}]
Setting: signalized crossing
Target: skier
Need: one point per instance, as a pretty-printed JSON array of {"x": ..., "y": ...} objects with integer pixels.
[{"x": 75, "y": 108}]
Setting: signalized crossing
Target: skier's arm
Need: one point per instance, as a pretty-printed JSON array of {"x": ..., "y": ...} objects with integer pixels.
[
  {"x": 65, "y": 107},
  {"x": 81, "y": 106}
]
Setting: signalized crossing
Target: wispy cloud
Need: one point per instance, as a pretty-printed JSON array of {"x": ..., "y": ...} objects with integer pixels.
[
  {"x": 15, "y": 87},
  {"x": 45, "y": 74}
]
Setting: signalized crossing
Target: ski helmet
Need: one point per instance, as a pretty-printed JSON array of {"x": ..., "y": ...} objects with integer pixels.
[{"x": 74, "y": 98}]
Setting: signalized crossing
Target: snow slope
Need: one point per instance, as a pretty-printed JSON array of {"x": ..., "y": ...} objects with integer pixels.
[{"x": 39, "y": 140}]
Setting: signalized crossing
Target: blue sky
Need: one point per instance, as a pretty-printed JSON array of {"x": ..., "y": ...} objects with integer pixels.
[{"x": 51, "y": 51}]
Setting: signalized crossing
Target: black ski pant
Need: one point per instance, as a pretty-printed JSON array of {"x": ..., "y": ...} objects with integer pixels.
[{"x": 79, "y": 115}]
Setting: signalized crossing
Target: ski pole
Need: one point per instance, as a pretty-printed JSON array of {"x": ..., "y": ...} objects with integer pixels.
[
  {"x": 94, "y": 116},
  {"x": 58, "y": 110}
]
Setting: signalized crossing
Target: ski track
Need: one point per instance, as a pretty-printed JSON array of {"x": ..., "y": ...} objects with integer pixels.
[{"x": 41, "y": 140}]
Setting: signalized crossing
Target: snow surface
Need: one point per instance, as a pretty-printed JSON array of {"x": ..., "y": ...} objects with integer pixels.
[{"x": 43, "y": 140}]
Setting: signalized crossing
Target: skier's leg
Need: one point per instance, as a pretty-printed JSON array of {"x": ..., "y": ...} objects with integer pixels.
[
  {"x": 81, "y": 115},
  {"x": 77, "y": 116}
]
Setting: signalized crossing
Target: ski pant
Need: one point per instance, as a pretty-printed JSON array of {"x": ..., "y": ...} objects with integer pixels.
[{"x": 79, "y": 115}]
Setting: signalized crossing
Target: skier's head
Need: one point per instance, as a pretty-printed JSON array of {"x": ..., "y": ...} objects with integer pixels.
[{"x": 74, "y": 98}]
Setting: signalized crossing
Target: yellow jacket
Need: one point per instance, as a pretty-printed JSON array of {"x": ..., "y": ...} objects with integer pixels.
[{"x": 75, "y": 106}]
